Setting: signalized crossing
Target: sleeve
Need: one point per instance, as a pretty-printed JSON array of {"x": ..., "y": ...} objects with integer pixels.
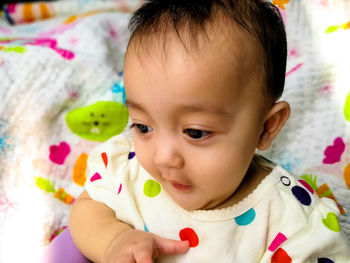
[
  {"x": 111, "y": 180},
  {"x": 319, "y": 241}
]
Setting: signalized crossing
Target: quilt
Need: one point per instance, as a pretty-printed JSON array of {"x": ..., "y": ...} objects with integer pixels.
[{"x": 61, "y": 68}]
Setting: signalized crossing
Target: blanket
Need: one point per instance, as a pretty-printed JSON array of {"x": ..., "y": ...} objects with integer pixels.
[{"x": 61, "y": 66}]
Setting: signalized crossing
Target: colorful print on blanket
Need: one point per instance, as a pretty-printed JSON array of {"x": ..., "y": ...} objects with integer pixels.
[
  {"x": 97, "y": 122},
  {"x": 19, "y": 13},
  {"x": 36, "y": 100},
  {"x": 17, "y": 45},
  {"x": 336, "y": 160},
  {"x": 6, "y": 142}
]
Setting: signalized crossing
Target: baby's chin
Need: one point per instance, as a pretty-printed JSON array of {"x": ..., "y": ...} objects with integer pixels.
[
  {"x": 188, "y": 203},
  {"x": 189, "y": 198},
  {"x": 192, "y": 205}
]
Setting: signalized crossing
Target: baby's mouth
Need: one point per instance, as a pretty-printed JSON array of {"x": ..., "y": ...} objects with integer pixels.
[{"x": 179, "y": 186}]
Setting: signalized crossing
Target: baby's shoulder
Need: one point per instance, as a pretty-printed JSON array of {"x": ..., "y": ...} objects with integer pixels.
[
  {"x": 295, "y": 191},
  {"x": 294, "y": 204}
]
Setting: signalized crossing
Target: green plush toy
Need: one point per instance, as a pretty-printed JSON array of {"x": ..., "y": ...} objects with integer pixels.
[{"x": 98, "y": 122}]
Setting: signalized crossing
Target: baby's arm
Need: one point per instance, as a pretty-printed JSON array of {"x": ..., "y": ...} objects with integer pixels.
[
  {"x": 93, "y": 227},
  {"x": 102, "y": 238}
]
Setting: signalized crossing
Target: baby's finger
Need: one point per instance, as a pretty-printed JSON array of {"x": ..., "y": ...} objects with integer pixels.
[
  {"x": 144, "y": 255},
  {"x": 125, "y": 258},
  {"x": 169, "y": 246}
]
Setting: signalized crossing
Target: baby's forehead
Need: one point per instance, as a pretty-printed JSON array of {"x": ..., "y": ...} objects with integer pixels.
[
  {"x": 220, "y": 32},
  {"x": 220, "y": 41},
  {"x": 213, "y": 57}
]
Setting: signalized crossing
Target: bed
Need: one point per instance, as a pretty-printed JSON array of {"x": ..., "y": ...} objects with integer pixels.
[{"x": 61, "y": 67}]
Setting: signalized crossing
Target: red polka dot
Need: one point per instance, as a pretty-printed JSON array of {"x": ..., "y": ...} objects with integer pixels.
[
  {"x": 95, "y": 177},
  {"x": 190, "y": 235},
  {"x": 120, "y": 188},
  {"x": 104, "y": 158},
  {"x": 307, "y": 186},
  {"x": 281, "y": 256}
]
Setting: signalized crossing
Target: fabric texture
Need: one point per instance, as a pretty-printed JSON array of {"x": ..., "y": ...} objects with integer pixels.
[
  {"x": 272, "y": 224},
  {"x": 60, "y": 57}
]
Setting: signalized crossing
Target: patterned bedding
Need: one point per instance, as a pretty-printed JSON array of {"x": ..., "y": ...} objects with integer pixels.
[{"x": 61, "y": 80}]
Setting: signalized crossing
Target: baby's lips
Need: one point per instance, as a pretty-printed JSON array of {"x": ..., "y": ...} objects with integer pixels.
[{"x": 181, "y": 186}]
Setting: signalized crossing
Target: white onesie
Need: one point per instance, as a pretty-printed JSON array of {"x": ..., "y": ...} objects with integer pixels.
[{"x": 281, "y": 221}]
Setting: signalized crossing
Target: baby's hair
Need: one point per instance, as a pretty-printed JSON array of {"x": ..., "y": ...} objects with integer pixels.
[{"x": 260, "y": 19}]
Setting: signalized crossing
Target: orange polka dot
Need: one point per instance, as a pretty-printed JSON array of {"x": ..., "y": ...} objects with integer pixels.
[
  {"x": 347, "y": 175},
  {"x": 79, "y": 170}
]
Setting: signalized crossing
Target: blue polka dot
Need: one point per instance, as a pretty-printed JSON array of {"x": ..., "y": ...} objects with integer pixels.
[
  {"x": 324, "y": 260},
  {"x": 145, "y": 228},
  {"x": 302, "y": 195},
  {"x": 246, "y": 218},
  {"x": 131, "y": 155}
]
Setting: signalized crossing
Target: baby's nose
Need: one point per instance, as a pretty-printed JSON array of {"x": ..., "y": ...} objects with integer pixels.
[{"x": 168, "y": 155}]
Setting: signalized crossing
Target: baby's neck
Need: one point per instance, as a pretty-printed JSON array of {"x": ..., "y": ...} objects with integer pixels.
[{"x": 252, "y": 179}]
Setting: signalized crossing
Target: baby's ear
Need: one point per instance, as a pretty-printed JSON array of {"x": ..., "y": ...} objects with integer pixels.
[{"x": 274, "y": 121}]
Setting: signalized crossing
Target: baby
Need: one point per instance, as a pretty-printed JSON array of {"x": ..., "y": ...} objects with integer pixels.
[{"x": 202, "y": 80}]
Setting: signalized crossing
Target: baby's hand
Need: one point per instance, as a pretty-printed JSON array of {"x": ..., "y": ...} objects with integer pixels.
[{"x": 134, "y": 246}]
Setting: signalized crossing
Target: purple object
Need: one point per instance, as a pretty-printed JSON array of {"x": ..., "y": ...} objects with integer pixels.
[
  {"x": 131, "y": 155},
  {"x": 62, "y": 249}
]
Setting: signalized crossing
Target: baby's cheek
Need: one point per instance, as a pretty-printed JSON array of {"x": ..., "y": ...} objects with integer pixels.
[{"x": 145, "y": 156}]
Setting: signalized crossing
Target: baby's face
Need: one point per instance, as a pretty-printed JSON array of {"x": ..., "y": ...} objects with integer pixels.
[{"x": 196, "y": 119}]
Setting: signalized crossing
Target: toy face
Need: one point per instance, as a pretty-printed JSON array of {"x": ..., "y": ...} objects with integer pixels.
[{"x": 98, "y": 122}]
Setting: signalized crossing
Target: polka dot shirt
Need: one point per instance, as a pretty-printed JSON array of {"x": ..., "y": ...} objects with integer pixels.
[{"x": 281, "y": 221}]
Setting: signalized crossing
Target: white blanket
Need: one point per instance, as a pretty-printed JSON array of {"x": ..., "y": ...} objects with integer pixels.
[{"x": 73, "y": 59}]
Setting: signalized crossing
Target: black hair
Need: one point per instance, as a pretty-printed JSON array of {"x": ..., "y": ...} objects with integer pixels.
[{"x": 260, "y": 19}]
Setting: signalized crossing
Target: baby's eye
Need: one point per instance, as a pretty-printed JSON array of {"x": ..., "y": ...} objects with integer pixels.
[
  {"x": 196, "y": 134},
  {"x": 141, "y": 127}
]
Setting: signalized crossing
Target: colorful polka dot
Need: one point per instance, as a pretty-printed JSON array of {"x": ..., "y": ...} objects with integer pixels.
[
  {"x": 120, "y": 188},
  {"x": 324, "y": 260},
  {"x": 347, "y": 175},
  {"x": 79, "y": 170},
  {"x": 285, "y": 180},
  {"x": 190, "y": 235},
  {"x": 307, "y": 186},
  {"x": 95, "y": 177},
  {"x": 59, "y": 153},
  {"x": 302, "y": 195},
  {"x": 131, "y": 155},
  {"x": 246, "y": 218},
  {"x": 334, "y": 152},
  {"x": 277, "y": 241},
  {"x": 281, "y": 256},
  {"x": 104, "y": 158},
  {"x": 151, "y": 188},
  {"x": 347, "y": 107},
  {"x": 331, "y": 222}
]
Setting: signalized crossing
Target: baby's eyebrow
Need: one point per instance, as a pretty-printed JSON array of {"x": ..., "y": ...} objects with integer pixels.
[
  {"x": 211, "y": 109},
  {"x": 133, "y": 105},
  {"x": 187, "y": 108}
]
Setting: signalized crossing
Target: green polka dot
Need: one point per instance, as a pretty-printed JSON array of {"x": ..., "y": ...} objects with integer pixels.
[
  {"x": 331, "y": 222},
  {"x": 151, "y": 188},
  {"x": 347, "y": 108}
]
